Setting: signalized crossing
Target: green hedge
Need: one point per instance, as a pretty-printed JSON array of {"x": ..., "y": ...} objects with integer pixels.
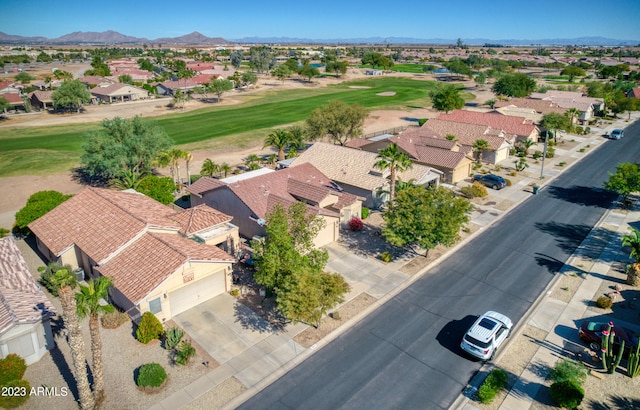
[
  {"x": 14, "y": 394},
  {"x": 567, "y": 394},
  {"x": 149, "y": 328},
  {"x": 12, "y": 368},
  {"x": 495, "y": 381}
]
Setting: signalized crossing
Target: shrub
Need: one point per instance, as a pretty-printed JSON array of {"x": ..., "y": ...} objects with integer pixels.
[
  {"x": 513, "y": 173},
  {"x": 12, "y": 368},
  {"x": 4, "y": 232},
  {"x": 474, "y": 190},
  {"x": 566, "y": 394},
  {"x": 37, "y": 205},
  {"x": 587, "y": 131},
  {"x": 235, "y": 292},
  {"x": 356, "y": 224},
  {"x": 551, "y": 152},
  {"x": 579, "y": 130},
  {"x": 19, "y": 390},
  {"x": 114, "y": 319},
  {"x": 508, "y": 181},
  {"x": 386, "y": 257},
  {"x": 604, "y": 302},
  {"x": 172, "y": 337},
  {"x": 149, "y": 328},
  {"x": 185, "y": 352},
  {"x": 537, "y": 155},
  {"x": 495, "y": 381},
  {"x": 151, "y": 375},
  {"x": 498, "y": 167},
  {"x": 365, "y": 213},
  {"x": 47, "y": 276},
  {"x": 569, "y": 370}
]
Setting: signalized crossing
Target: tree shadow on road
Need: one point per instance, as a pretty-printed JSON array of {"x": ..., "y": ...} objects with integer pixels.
[
  {"x": 583, "y": 195},
  {"x": 570, "y": 239}
]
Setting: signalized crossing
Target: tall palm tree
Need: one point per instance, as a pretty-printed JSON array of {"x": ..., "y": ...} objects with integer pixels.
[
  {"x": 479, "y": 146},
  {"x": 296, "y": 136},
  {"x": 176, "y": 155},
  {"x": 395, "y": 161},
  {"x": 188, "y": 157},
  {"x": 225, "y": 169},
  {"x": 66, "y": 283},
  {"x": 209, "y": 168},
  {"x": 279, "y": 139},
  {"x": 88, "y": 304},
  {"x": 633, "y": 240},
  {"x": 572, "y": 113},
  {"x": 164, "y": 160}
]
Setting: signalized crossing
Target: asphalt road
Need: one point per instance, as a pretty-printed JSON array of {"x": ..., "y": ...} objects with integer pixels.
[{"x": 405, "y": 355}]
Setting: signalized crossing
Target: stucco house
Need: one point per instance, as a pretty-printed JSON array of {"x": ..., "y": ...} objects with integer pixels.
[
  {"x": 249, "y": 197},
  {"x": 573, "y": 99},
  {"x": 118, "y": 93},
  {"x": 160, "y": 260},
  {"x": 426, "y": 147},
  {"x": 513, "y": 128},
  {"x": 25, "y": 311},
  {"x": 354, "y": 170},
  {"x": 41, "y": 99}
]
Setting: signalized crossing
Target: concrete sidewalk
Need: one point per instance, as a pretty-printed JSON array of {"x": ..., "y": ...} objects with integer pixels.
[{"x": 257, "y": 359}]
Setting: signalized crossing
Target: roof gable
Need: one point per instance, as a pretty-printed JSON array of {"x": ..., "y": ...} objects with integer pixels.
[
  {"x": 512, "y": 125},
  {"x": 201, "y": 217}
]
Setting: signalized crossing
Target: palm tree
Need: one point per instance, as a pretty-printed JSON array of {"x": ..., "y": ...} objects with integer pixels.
[
  {"x": 164, "y": 160},
  {"x": 279, "y": 139},
  {"x": 188, "y": 157},
  {"x": 633, "y": 240},
  {"x": 394, "y": 160},
  {"x": 225, "y": 169},
  {"x": 526, "y": 144},
  {"x": 253, "y": 162},
  {"x": 176, "y": 155},
  {"x": 209, "y": 168},
  {"x": 479, "y": 146},
  {"x": 572, "y": 113},
  {"x": 127, "y": 179},
  {"x": 296, "y": 136},
  {"x": 272, "y": 159},
  {"x": 88, "y": 304},
  {"x": 66, "y": 283}
]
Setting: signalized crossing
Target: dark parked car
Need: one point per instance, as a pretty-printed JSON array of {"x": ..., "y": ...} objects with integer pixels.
[
  {"x": 490, "y": 180},
  {"x": 591, "y": 333}
]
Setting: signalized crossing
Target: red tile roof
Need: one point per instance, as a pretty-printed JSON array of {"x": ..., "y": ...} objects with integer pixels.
[
  {"x": 467, "y": 134},
  {"x": 201, "y": 217},
  {"x": 13, "y": 98},
  {"x": 519, "y": 126},
  {"x": 205, "y": 184},
  {"x": 21, "y": 300},
  {"x": 541, "y": 106},
  {"x": 635, "y": 92}
]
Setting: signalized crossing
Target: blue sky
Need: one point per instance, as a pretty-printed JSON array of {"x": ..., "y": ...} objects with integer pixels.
[{"x": 330, "y": 19}]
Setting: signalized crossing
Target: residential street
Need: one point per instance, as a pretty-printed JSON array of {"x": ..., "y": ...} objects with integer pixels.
[{"x": 405, "y": 354}]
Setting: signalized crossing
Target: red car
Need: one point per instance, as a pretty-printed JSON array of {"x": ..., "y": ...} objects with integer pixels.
[{"x": 591, "y": 333}]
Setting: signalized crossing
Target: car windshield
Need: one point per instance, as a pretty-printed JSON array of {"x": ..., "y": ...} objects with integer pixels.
[{"x": 476, "y": 342}]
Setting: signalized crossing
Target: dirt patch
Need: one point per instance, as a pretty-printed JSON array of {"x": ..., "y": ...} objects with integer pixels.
[
  {"x": 217, "y": 397},
  {"x": 312, "y": 335}
]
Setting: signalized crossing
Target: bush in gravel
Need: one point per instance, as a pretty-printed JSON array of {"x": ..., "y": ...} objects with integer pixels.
[
  {"x": 149, "y": 328},
  {"x": 569, "y": 370},
  {"x": 495, "y": 381},
  {"x": 508, "y": 181},
  {"x": 113, "y": 319},
  {"x": 364, "y": 213},
  {"x": 151, "y": 375},
  {"x": 12, "y": 368},
  {"x": 386, "y": 257},
  {"x": 356, "y": 224},
  {"x": 185, "y": 352},
  {"x": 566, "y": 394},
  {"x": 604, "y": 302},
  {"x": 172, "y": 337},
  {"x": 476, "y": 190},
  {"x": 14, "y": 393}
]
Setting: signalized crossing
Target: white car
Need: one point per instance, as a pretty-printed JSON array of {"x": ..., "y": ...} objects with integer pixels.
[
  {"x": 486, "y": 335},
  {"x": 616, "y": 134}
]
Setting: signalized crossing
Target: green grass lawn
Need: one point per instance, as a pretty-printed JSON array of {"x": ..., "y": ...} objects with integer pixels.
[
  {"x": 44, "y": 149},
  {"x": 408, "y": 68}
]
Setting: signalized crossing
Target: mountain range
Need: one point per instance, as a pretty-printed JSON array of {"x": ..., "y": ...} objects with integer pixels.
[{"x": 114, "y": 38}]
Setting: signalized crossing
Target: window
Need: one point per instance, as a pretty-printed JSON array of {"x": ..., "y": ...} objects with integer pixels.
[{"x": 155, "y": 305}]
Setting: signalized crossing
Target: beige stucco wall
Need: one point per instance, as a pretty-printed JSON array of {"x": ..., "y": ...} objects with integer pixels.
[
  {"x": 329, "y": 233},
  {"x": 184, "y": 276},
  {"x": 30, "y": 339}
]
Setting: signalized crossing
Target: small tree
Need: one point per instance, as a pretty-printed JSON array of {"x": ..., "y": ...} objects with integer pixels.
[
  {"x": 625, "y": 181},
  {"x": 339, "y": 121},
  {"x": 37, "y": 205},
  {"x": 573, "y": 72},
  {"x": 149, "y": 328},
  {"x": 209, "y": 168},
  {"x": 71, "y": 94},
  {"x": 220, "y": 86},
  {"x": 632, "y": 240},
  {"x": 159, "y": 188},
  {"x": 447, "y": 98}
]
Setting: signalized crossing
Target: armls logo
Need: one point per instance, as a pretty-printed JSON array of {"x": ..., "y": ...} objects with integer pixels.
[{"x": 45, "y": 391}]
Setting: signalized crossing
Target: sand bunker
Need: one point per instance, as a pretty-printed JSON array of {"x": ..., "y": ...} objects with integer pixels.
[
  {"x": 358, "y": 86},
  {"x": 387, "y": 94}
]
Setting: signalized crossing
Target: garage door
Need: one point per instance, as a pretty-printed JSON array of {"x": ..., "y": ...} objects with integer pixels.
[{"x": 195, "y": 293}]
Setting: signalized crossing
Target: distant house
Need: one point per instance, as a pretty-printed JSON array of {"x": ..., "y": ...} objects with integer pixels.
[
  {"x": 25, "y": 327},
  {"x": 9, "y": 87},
  {"x": 135, "y": 74},
  {"x": 14, "y": 99},
  {"x": 41, "y": 99},
  {"x": 426, "y": 147},
  {"x": 161, "y": 261},
  {"x": 514, "y": 128},
  {"x": 634, "y": 93},
  {"x": 170, "y": 87},
  {"x": 354, "y": 170},
  {"x": 571, "y": 99},
  {"x": 118, "y": 93},
  {"x": 92, "y": 81},
  {"x": 373, "y": 72},
  {"x": 541, "y": 107},
  {"x": 251, "y": 196}
]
